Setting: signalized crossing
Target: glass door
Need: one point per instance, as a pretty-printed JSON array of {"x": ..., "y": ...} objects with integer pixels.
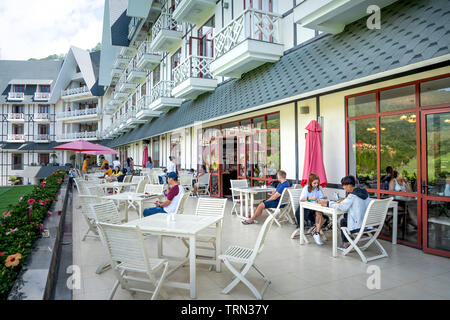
[{"x": 435, "y": 186}]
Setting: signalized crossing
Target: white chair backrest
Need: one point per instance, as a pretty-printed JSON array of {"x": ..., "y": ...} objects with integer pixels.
[
  {"x": 211, "y": 206},
  {"x": 137, "y": 178},
  {"x": 96, "y": 191},
  {"x": 127, "y": 178},
  {"x": 294, "y": 195},
  {"x": 182, "y": 203},
  {"x": 125, "y": 244},
  {"x": 284, "y": 199},
  {"x": 83, "y": 187},
  {"x": 106, "y": 212},
  {"x": 141, "y": 186},
  {"x": 204, "y": 179},
  {"x": 154, "y": 189},
  {"x": 86, "y": 201},
  {"x": 376, "y": 212},
  {"x": 186, "y": 179},
  {"x": 242, "y": 183},
  {"x": 259, "y": 245}
]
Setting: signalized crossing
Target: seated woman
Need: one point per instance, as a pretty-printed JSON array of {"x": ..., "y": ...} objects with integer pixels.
[
  {"x": 116, "y": 172},
  {"x": 122, "y": 176},
  {"x": 398, "y": 183},
  {"x": 312, "y": 192},
  {"x": 354, "y": 206}
]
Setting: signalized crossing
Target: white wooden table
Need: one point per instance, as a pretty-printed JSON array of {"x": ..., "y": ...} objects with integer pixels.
[
  {"x": 335, "y": 213},
  {"x": 185, "y": 226},
  {"x": 116, "y": 186},
  {"x": 129, "y": 198},
  {"x": 245, "y": 193}
]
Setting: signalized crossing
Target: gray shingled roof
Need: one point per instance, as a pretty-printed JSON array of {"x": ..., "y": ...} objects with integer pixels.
[
  {"x": 45, "y": 171},
  {"x": 14, "y": 69},
  {"x": 412, "y": 31}
]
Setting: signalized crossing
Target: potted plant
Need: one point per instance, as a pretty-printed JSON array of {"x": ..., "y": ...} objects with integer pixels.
[
  {"x": 54, "y": 157},
  {"x": 72, "y": 159},
  {"x": 13, "y": 180}
]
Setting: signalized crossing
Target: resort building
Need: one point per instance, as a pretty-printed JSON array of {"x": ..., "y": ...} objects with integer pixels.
[
  {"x": 232, "y": 84},
  {"x": 42, "y": 104}
]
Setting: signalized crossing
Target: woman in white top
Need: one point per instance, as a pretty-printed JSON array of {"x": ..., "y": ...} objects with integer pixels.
[
  {"x": 398, "y": 184},
  {"x": 312, "y": 192}
]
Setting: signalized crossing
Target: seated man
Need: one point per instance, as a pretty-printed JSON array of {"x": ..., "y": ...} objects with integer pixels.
[
  {"x": 354, "y": 205},
  {"x": 272, "y": 202},
  {"x": 176, "y": 191}
]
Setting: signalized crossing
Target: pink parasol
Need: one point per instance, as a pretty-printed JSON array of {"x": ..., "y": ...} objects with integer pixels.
[
  {"x": 145, "y": 157},
  {"x": 97, "y": 153},
  {"x": 82, "y": 145},
  {"x": 313, "y": 154}
]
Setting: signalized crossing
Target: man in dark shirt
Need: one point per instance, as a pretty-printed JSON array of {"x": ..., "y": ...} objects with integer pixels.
[{"x": 274, "y": 199}]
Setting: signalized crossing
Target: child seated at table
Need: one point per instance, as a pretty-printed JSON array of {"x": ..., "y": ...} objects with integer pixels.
[
  {"x": 312, "y": 192},
  {"x": 354, "y": 206}
]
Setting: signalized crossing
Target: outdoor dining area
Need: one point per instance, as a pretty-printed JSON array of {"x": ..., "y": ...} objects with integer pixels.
[{"x": 159, "y": 235}]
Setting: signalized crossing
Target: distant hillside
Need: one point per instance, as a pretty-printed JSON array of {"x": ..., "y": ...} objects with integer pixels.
[{"x": 63, "y": 56}]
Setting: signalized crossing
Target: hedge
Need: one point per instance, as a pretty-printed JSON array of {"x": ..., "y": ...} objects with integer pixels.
[{"x": 21, "y": 225}]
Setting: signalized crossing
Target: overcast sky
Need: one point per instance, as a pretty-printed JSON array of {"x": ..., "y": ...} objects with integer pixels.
[{"x": 39, "y": 28}]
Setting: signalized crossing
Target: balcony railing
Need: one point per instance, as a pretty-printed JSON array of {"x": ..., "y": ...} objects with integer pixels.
[
  {"x": 16, "y": 116},
  {"x": 16, "y": 95},
  {"x": 165, "y": 21},
  {"x": 41, "y": 95},
  {"x": 251, "y": 24},
  {"x": 42, "y": 137},
  {"x": 41, "y": 116},
  {"x": 79, "y": 135},
  {"x": 74, "y": 91},
  {"x": 145, "y": 48},
  {"x": 16, "y": 137},
  {"x": 77, "y": 113},
  {"x": 143, "y": 103},
  {"x": 193, "y": 67},
  {"x": 162, "y": 89}
]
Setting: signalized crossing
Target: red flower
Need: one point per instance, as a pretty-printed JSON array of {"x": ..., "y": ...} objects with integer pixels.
[
  {"x": 31, "y": 201},
  {"x": 6, "y": 214},
  {"x": 2, "y": 254},
  {"x": 48, "y": 200},
  {"x": 43, "y": 185},
  {"x": 42, "y": 202}
]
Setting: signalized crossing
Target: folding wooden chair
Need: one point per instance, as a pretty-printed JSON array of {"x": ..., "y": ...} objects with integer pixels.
[
  {"x": 281, "y": 212},
  {"x": 294, "y": 196},
  {"x": 89, "y": 215},
  {"x": 186, "y": 181},
  {"x": 246, "y": 257},
  {"x": 203, "y": 184},
  {"x": 208, "y": 207},
  {"x": 128, "y": 253},
  {"x": 241, "y": 183},
  {"x": 370, "y": 229},
  {"x": 156, "y": 191}
]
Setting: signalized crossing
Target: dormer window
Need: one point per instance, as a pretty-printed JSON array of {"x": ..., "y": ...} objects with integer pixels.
[
  {"x": 44, "y": 88},
  {"x": 19, "y": 88}
]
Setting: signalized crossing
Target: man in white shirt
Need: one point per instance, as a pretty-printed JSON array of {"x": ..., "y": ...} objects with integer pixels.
[
  {"x": 174, "y": 196},
  {"x": 172, "y": 166},
  {"x": 116, "y": 163}
]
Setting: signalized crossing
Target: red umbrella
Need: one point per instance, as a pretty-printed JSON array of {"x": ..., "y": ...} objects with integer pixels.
[
  {"x": 145, "y": 157},
  {"x": 313, "y": 154},
  {"x": 97, "y": 153}
]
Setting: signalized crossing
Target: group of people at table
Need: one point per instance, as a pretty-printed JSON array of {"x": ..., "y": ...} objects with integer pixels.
[{"x": 354, "y": 205}]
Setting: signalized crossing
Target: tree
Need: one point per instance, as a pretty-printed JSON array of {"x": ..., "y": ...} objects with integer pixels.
[
  {"x": 97, "y": 47},
  {"x": 50, "y": 57}
]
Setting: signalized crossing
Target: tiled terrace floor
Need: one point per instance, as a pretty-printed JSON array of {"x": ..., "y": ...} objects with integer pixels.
[{"x": 296, "y": 272}]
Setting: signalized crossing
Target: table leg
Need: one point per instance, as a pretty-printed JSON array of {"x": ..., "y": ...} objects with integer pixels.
[
  {"x": 218, "y": 244},
  {"x": 160, "y": 247},
  {"x": 302, "y": 226},
  {"x": 246, "y": 205},
  {"x": 126, "y": 211},
  {"x": 192, "y": 266},
  {"x": 334, "y": 217},
  {"x": 241, "y": 200},
  {"x": 252, "y": 203},
  {"x": 395, "y": 224}
]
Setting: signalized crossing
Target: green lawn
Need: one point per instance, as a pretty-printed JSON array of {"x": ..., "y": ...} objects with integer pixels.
[{"x": 10, "y": 195}]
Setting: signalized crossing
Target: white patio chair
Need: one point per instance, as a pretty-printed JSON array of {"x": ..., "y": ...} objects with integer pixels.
[
  {"x": 128, "y": 253},
  {"x": 186, "y": 181},
  {"x": 294, "y": 196},
  {"x": 281, "y": 212},
  {"x": 156, "y": 191},
  {"x": 208, "y": 207},
  {"x": 82, "y": 187},
  {"x": 182, "y": 203},
  {"x": 242, "y": 183},
  {"x": 246, "y": 257},
  {"x": 88, "y": 214},
  {"x": 203, "y": 184},
  {"x": 370, "y": 229}
]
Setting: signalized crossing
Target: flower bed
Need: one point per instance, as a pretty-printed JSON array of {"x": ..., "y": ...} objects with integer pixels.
[{"x": 21, "y": 225}]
